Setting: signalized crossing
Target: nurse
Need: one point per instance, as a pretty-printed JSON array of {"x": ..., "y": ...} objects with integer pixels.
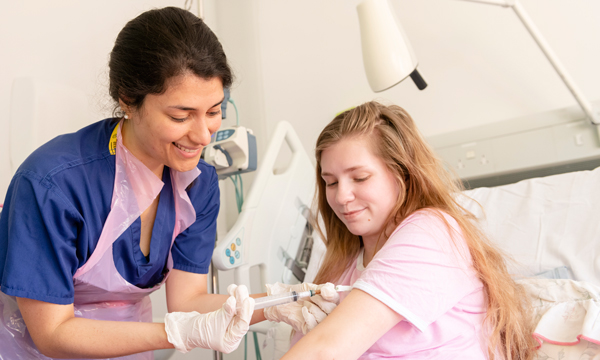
[{"x": 96, "y": 220}]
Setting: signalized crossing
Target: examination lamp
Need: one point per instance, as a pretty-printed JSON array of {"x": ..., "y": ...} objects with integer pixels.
[
  {"x": 387, "y": 54},
  {"x": 388, "y": 57}
]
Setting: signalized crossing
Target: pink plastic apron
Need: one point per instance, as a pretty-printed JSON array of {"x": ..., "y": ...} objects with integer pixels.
[{"x": 101, "y": 293}]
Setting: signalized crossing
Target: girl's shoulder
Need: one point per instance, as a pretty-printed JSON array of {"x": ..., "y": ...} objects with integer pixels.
[
  {"x": 428, "y": 219},
  {"x": 429, "y": 228}
]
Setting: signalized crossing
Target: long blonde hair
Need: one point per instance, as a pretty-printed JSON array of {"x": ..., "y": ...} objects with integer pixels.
[{"x": 424, "y": 184}]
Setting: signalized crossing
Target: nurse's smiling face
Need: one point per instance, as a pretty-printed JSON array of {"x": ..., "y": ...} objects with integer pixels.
[{"x": 172, "y": 128}]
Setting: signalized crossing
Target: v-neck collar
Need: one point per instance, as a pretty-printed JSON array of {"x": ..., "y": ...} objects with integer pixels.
[{"x": 162, "y": 229}]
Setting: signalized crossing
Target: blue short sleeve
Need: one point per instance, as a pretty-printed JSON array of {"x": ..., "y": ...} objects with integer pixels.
[
  {"x": 38, "y": 241},
  {"x": 193, "y": 248}
]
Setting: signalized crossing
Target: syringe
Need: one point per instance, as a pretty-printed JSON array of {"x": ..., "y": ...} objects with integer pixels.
[{"x": 285, "y": 298}]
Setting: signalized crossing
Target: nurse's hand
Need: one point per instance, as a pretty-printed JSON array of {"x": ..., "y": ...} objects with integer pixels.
[
  {"x": 303, "y": 315},
  {"x": 220, "y": 330}
]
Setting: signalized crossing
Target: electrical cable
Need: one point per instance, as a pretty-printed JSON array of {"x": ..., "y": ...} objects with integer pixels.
[
  {"x": 256, "y": 348},
  {"x": 241, "y": 191},
  {"x": 246, "y": 346},
  {"x": 237, "y": 116}
]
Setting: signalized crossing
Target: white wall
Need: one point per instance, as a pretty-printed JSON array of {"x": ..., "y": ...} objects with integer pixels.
[{"x": 481, "y": 64}]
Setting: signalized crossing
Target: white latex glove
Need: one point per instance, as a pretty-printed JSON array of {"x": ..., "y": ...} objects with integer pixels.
[
  {"x": 220, "y": 330},
  {"x": 240, "y": 293},
  {"x": 303, "y": 315}
]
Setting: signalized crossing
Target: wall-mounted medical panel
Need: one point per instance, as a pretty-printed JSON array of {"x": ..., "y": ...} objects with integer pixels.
[
  {"x": 505, "y": 152},
  {"x": 530, "y": 149},
  {"x": 576, "y": 140},
  {"x": 469, "y": 159}
]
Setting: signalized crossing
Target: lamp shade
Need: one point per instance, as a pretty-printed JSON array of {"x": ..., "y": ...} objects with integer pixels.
[{"x": 387, "y": 55}]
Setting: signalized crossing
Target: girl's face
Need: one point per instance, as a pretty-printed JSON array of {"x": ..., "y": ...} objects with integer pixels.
[
  {"x": 359, "y": 187},
  {"x": 172, "y": 128}
]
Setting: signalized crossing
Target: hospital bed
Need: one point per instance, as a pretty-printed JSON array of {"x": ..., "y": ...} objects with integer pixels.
[{"x": 545, "y": 224}]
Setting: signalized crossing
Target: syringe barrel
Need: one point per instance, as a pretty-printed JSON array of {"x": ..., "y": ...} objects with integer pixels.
[{"x": 280, "y": 299}]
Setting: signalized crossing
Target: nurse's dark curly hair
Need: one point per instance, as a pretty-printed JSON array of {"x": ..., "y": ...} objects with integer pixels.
[{"x": 158, "y": 45}]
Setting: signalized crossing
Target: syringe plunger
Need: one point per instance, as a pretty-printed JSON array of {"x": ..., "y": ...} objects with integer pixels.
[{"x": 280, "y": 299}]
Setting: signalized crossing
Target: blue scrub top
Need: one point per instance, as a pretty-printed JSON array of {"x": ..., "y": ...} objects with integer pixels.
[{"x": 56, "y": 206}]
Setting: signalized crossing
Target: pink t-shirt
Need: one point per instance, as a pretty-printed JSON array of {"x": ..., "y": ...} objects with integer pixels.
[{"x": 422, "y": 276}]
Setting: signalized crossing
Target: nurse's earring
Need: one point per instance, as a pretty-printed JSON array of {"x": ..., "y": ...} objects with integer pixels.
[{"x": 126, "y": 116}]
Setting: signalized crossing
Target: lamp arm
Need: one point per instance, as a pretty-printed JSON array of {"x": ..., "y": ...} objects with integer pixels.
[
  {"x": 593, "y": 116},
  {"x": 562, "y": 72}
]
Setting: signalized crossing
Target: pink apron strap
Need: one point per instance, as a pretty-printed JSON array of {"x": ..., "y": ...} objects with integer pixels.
[
  {"x": 184, "y": 210},
  {"x": 126, "y": 205},
  {"x": 186, "y": 214}
]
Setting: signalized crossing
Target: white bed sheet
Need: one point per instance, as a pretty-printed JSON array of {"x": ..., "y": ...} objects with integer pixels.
[{"x": 545, "y": 223}]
